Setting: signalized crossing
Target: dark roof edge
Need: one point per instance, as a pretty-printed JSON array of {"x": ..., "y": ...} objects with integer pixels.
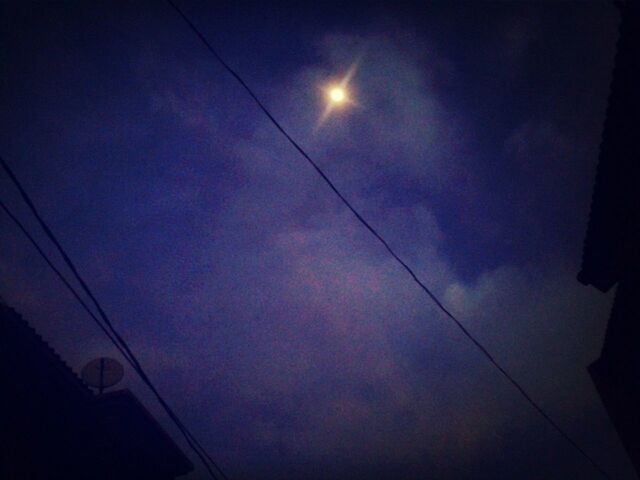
[
  {"x": 12, "y": 316},
  {"x": 606, "y": 225}
]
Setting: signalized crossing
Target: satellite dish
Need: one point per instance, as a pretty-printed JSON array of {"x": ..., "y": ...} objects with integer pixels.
[{"x": 102, "y": 373}]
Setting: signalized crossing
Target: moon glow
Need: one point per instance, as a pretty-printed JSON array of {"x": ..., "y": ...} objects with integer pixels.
[{"x": 337, "y": 95}]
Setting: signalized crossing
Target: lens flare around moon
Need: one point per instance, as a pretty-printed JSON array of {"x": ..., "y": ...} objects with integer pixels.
[{"x": 337, "y": 95}]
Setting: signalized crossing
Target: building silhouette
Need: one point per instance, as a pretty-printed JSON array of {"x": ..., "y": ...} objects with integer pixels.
[
  {"x": 611, "y": 249},
  {"x": 52, "y": 426}
]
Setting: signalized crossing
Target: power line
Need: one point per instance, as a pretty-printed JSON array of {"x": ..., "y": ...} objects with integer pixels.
[
  {"x": 66, "y": 283},
  {"x": 105, "y": 325},
  {"x": 379, "y": 237},
  {"x": 124, "y": 350},
  {"x": 62, "y": 278}
]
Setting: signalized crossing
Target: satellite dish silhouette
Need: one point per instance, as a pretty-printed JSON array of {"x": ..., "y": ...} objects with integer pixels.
[{"x": 101, "y": 373}]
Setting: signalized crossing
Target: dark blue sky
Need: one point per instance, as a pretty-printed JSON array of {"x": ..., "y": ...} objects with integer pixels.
[{"x": 273, "y": 322}]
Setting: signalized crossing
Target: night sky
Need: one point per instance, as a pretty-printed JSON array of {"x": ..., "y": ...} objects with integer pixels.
[{"x": 283, "y": 334}]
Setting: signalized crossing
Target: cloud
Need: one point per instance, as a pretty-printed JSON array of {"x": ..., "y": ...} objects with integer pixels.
[
  {"x": 325, "y": 350},
  {"x": 278, "y": 326}
]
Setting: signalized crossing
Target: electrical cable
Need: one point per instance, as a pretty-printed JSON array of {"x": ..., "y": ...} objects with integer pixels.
[
  {"x": 107, "y": 328},
  {"x": 374, "y": 232},
  {"x": 24, "y": 230}
]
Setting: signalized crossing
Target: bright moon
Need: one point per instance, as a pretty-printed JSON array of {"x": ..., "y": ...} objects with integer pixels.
[{"x": 337, "y": 95}]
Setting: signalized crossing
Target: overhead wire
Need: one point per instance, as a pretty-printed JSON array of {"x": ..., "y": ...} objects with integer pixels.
[
  {"x": 60, "y": 276},
  {"x": 386, "y": 245},
  {"x": 105, "y": 325}
]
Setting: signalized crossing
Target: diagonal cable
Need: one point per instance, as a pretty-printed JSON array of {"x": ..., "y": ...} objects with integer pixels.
[
  {"x": 386, "y": 245},
  {"x": 60, "y": 276},
  {"x": 107, "y": 327}
]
